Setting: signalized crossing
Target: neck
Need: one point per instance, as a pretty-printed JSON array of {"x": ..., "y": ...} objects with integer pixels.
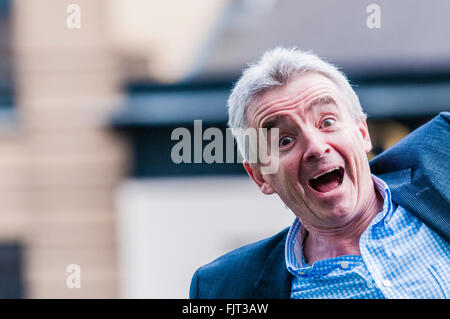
[{"x": 323, "y": 243}]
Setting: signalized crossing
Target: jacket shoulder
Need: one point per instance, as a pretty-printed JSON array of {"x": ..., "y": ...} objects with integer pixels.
[
  {"x": 416, "y": 170},
  {"x": 234, "y": 273}
]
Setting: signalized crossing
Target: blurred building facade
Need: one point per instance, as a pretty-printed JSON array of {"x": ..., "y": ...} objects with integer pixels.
[
  {"x": 59, "y": 165},
  {"x": 86, "y": 174}
]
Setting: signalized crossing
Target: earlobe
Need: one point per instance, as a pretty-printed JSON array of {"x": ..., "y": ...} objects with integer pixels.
[{"x": 256, "y": 175}]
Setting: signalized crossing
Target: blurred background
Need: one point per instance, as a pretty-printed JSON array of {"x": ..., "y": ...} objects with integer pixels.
[{"x": 87, "y": 108}]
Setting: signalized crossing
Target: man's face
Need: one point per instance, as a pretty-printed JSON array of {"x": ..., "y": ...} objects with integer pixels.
[{"x": 324, "y": 175}]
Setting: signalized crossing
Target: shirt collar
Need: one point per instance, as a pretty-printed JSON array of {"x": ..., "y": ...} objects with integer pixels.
[{"x": 295, "y": 260}]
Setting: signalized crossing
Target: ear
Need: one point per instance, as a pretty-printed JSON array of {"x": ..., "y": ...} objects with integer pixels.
[
  {"x": 255, "y": 174},
  {"x": 364, "y": 130}
]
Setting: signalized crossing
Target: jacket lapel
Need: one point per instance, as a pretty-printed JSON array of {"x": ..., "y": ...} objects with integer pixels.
[
  {"x": 420, "y": 197},
  {"x": 275, "y": 280}
]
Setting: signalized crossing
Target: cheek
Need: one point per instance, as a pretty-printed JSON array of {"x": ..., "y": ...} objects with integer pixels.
[
  {"x": 351, "y": 144},
  {"x": 351, "y": 148},
  {"x": 289, "y": 169},
  {"x": 288, "y": 186},
  {"x": 280, "y": 180},
  {"x": 356, "y": 156}
]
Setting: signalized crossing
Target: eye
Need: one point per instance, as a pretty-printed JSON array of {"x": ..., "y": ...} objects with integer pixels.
[
  {"x": 284, "y": 141},
  {"x": 328, "y": 123}
]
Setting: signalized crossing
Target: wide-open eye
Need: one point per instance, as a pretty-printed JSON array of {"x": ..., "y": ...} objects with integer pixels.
[
  {"x": 284, "y": 141},
  {"x": 328, "y": 123}
]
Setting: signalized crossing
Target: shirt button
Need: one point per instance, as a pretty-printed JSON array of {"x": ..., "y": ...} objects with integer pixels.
[
  {"x": 344, "y": 264},
  {"x": 387, "y": 283}
]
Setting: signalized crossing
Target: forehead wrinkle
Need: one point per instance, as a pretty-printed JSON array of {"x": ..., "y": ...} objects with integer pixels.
[
  {"x": 309, "y": 102},
  {"x": 281, "y": 101}
]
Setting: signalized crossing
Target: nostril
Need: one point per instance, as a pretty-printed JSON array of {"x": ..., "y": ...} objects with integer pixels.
[{"x": 316, "y": 153}]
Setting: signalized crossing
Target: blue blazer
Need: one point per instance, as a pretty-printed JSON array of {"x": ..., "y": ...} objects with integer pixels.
[{"x": 417, "y": 172}]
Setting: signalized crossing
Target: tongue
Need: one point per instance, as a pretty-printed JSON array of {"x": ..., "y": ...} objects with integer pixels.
[{"x": 327, "y": 182}]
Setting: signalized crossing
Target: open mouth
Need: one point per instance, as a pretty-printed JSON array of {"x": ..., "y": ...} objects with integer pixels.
[{"x": 328, "y": 180}]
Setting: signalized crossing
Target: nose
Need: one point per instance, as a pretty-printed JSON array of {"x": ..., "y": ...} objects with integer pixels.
[{"x": 316, "y": 147}]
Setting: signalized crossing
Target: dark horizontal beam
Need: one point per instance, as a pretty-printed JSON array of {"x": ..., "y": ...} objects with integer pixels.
[{"x": 179, "y": 105}]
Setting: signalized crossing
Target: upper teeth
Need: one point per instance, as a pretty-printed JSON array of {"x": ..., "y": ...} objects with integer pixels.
[{"x": 330, "y": 170}]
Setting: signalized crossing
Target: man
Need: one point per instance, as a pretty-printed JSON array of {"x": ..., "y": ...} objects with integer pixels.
[{"x": 356, "y": 234}]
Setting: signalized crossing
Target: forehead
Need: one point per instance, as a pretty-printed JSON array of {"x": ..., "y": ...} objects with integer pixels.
[
  {"x": 298, "y": 84},
  {"x": 301, "y": 90}
]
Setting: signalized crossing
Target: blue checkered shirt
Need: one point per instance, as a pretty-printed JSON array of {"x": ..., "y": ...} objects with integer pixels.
[{"x": 400, "y": 258}]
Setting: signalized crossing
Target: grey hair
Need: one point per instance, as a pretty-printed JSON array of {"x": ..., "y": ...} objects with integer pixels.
[{"x": 274, "y": 69}]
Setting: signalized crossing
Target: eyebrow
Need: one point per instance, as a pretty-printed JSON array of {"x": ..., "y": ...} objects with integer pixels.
[
  {"x": 277, "y": 120},
  {"x": 273, "y": 122},
  {"x": 323, "y": 100}
]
